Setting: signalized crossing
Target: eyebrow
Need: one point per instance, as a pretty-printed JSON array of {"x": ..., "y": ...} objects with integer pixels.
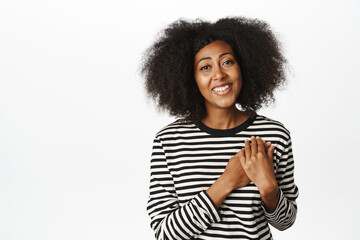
[{"x": 205, "y": 58}]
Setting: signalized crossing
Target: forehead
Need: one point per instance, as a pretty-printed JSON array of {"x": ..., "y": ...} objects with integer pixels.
[{"x": 213, "y": 49}]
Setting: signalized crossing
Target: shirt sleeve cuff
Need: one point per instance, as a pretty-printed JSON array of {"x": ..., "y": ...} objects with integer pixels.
[
  {"x": 278, "y": 208},
  {"x": 207, "y": 203}
]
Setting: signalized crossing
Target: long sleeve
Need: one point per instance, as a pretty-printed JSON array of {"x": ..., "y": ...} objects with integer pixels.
[
  {"x": 285, "y": 213},
  {"x": 169, "y": 220}
]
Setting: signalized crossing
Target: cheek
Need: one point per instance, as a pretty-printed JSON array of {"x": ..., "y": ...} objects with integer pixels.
[
  {"x": 202, "y": 84},
  {"x": 239, "y": 87},
  {"x": 239, "y": 77}
]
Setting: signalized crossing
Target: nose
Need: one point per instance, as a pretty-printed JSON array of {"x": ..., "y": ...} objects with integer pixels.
[{"x": 218, "y": 73}]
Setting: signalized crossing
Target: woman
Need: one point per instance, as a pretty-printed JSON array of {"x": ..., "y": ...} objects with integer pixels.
[{"x": 221, "y": 171}]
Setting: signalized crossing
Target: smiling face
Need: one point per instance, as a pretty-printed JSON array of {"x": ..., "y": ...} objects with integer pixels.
[{"x": 218, "y": 75}]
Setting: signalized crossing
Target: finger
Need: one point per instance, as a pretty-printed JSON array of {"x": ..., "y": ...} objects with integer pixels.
[
  {"x": 254, "y": 147},
  {"x": 260, "y": 144},
  {"x": 242, "y": 157},
  {"x": 266, "y": 144},
  {"x": 247, "y": 149},
  {"x": 270, "y": 154}
]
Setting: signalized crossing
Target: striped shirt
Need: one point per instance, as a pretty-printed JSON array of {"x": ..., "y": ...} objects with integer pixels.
[{"x": 188, "y": 158}]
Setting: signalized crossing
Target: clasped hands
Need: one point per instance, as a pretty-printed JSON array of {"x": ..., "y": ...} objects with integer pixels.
[{"x": 253, "y": 163}]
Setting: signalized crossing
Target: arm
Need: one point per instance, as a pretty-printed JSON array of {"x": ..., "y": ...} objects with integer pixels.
[
  {"x": 284, "y": 215},
  {"x": 169, "y": 220},
  {"x": 278, "y": 193},
  {"x": 233, "y": 177}
]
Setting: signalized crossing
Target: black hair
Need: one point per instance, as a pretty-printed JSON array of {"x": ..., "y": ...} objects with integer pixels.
[{"x": 168, "y": 66}]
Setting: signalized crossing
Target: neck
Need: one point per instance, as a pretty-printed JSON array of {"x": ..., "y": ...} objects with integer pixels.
[{"x": 220, "y": 118}]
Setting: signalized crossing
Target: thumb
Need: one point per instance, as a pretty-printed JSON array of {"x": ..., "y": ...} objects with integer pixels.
[{"x": 242, "y": 157}]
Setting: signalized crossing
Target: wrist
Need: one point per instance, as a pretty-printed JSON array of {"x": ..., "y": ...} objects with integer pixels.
[
  {"x": 269, "y": 190},
  {"x": 219, "y": 190},
  {"x": 270, "y": 200},
  {"x": 226, "y": 183}
]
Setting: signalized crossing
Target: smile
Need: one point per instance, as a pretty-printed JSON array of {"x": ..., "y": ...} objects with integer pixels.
[{"x": 222, "y": 90}]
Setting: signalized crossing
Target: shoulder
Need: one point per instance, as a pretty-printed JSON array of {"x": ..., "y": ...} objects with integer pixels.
[
  {"x": 271, "y": 124},
  {"x": 180, "y": 126}
]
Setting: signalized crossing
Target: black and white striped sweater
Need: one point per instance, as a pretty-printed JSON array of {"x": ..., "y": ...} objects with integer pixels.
[{"x": 187, "y": 159}]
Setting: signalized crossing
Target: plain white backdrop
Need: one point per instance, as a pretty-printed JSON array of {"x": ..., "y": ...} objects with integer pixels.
[{"x": 76, "y": 129}]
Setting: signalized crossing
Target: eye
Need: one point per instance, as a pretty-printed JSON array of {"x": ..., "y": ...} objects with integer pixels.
[
  {"x": 228, "y": 62},
  {"x": 207, "y": 67}
]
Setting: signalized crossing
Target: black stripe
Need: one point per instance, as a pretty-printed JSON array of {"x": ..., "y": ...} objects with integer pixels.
[{"x": 188, "y": 158}]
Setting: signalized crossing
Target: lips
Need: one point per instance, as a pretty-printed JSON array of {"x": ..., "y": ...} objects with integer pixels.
[{"x": 222, "y": 89}]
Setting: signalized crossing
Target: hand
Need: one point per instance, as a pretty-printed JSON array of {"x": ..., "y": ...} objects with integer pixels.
[
  {"x": 234, "y": 173},
  {"x": 269, "y": 154},
  {"x": 235, "y": 176},
  {"x": 257, "y": 162}
]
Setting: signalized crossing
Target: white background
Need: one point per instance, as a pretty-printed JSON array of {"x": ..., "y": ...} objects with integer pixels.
[{"x": 76, "y": 129}]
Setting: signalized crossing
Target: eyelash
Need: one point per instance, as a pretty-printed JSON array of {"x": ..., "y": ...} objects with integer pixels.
[
  {"x": 229, "y": 61},
  {"x": 207, "y": 66},
  {"x": 203, "y": 68}
]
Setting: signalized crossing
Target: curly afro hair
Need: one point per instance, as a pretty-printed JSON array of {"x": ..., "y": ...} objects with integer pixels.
[{"x": 168, "y": 66}]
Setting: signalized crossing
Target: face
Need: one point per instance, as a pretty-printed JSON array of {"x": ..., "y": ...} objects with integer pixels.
[{"x": 218, "y": 76}]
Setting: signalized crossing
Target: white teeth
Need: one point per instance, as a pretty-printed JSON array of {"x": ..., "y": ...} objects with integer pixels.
[{"x": 221, "y": 89}]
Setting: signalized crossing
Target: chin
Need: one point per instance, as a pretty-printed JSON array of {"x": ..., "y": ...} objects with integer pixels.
[{"x": 225, "y": 104}]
